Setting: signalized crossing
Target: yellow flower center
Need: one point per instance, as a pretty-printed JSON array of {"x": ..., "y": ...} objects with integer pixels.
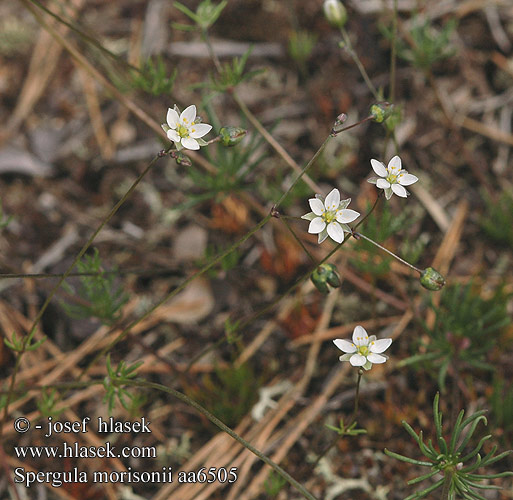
[
  {"x": 329, "y": 216},
  {"x": 392, "y": 178},
  {"x": 182, "y": 131},
  {"x": 363, "y": 350}
]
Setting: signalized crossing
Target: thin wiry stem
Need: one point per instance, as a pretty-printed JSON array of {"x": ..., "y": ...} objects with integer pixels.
[
  {"x": 45, "y": 305},
  {"x": 360, "y": 235}
]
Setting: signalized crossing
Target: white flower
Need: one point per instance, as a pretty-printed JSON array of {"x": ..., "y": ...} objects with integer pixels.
[
  {"x": 394, "y": 177},
  {"x": 363, "y": 350},
  {"x": 183, "y": 130},
  {"x": 330, "y": 217}
]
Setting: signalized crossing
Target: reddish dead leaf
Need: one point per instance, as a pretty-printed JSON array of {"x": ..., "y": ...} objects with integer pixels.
[
  {"x": 301, "y": 320},
  {"x": 286, "y": 259},
  {"x": 230, "y": 216}
]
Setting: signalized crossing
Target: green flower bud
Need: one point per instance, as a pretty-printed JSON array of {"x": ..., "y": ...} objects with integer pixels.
[
  {"x": 324, "y": 275},
  {"x": 335, "y": 13},
  {"x": 231, "y": 136},
  {"x": 380, "y": 111},
  {"x": 431, "y": 279}
]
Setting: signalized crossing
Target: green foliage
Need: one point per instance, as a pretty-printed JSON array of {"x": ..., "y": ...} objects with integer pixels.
[
  {"x": 229, "y": 393},
  {"x": 115, "y": 380},
  {"x": 46, "y": 405},
  {"x": 301, "y": 45},
  {"x": 97, "y": 296},
  {"x": 501, "y": 401},
  {"x": 230, "y": 75},
  {"x": 153, "y": 78},
  {"x": 449, "y": 458},
  {"x": 497, "y": 221},
  {"x": 23, "y": 344},
  {"x": 425, "y": 45},
  {"x": 379, "y": 228},
  {"x": 412, "y": 249},
  {"x": 274, "y": 484},
  {"x": 234, "y": 165},
  {"x": 350, "y": 430},
  {"x": 205, "y": 16},
  {"x": 227, "y": 263},
  {"x": 465, "y": 330}
]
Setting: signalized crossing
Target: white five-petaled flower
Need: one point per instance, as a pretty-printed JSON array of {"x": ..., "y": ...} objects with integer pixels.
[
  {"x": 363, "y": 350},
  {"x": 329, "y": 217},
  {"x": 183, "y": 130},
  {"x": 393, "y": 177}
]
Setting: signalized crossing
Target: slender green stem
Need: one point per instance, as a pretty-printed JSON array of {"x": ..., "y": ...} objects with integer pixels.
[
  {"x": 356, "y": 59},
  {"x": 361, "y": 221},
  {"x": 86, "y": 37},
  {"x": 210, "y": 48},
  {"x": 301, "y": 244},
  {"x": 185, "y": 399},
  {"x": 402, "y": 261},
  {"x": 356, "y": 398},
  {"x": 182, "y": 397},
  {"x": 336, "y": 132},
  {"x": 393, "y": 54},
  {"x": 177, "y": 290},
  {"x": 346, "y": 426},
  {"x": 252, "y": 118},
  {"x": 446, "y": 487},
  {"x": 117, "y": 272},
  {"x": 61, "y": 280},
  {"x": 304, "y": 170}
]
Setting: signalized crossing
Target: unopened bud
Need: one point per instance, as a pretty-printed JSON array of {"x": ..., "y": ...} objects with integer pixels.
[
  {"x": 181, "y": 159},
  {"x": 341, "y": 118},
  {"x": 231, "y": 136},
  {"x": 335, "y": 13},
  {"x": 431, "y": 279},
  {"x": 381, "y": 111},
  {"x": 324, "y": 275}
]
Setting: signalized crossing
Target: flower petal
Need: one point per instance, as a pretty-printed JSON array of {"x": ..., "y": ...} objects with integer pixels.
[
  {"x": 388, "y": 193},
  {"x": 406, "y": 179},
  {"x": 316, "y": 205},
  {"x": 345, "y": 345},
  {"x": 399, "y": 190},
  {"x": 172, "y": 135},
  {"x": 372, "y": 180},
  {"x": 380, "y": 345},
  {"x": 347, "y": 215},
  {"x": 190, "y": 143},
  {"x": 172, "y": 118},
  {"x": 382, "y": 183},
  {"x": 316, "y": 226},
  {"x": 188, "y": 115},
  {"x": 379, "y": 168},
  {"x": 376, "y": 358},
  {"x": 360, "y": 336},
  {"x": 199, "y": 130},
  {"x": 332, "y": 200},
  {"x": 335, "y": 232},
  {"x": 394, "y": 165},
  {"x": 358, "y": 360},
  {"x": 345, "y": 357}
]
